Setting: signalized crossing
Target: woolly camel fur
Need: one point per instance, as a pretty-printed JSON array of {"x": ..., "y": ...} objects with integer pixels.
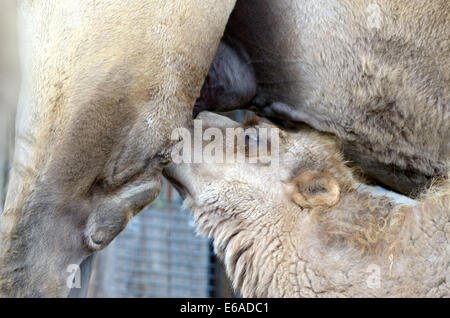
[{"x": 311, "y": 229}]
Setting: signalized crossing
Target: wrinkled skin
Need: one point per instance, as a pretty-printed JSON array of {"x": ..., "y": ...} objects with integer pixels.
[
  {"x": 310, "y": 229},
  {"x": 374, "y": 73},
  {"x": 103, "y": 85}
]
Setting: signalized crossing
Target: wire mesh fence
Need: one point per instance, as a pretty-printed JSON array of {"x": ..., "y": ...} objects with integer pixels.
[
  {"x": 9, "y": 86},
  {"x": 159, "y": 255}
]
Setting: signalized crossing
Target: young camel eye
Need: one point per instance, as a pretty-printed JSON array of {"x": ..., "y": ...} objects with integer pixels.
[
  {"x": 249, "y": 138},
  {"x": 251, "y": 142}
]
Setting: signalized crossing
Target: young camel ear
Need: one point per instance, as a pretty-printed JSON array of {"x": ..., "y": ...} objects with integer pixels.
[{"x": 314, "y": 189}]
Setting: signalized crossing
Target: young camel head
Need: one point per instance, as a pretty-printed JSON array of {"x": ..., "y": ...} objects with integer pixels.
[{"x": 308, "y": 228}]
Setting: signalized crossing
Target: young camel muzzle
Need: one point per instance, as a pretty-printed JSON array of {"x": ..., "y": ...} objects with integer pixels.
[
  {"x": 103, "y": 85},
  {"x": 310, "y": 229}
]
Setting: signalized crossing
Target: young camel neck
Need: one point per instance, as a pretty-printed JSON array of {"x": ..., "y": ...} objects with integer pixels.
[{"x": 365, "y": 246}]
